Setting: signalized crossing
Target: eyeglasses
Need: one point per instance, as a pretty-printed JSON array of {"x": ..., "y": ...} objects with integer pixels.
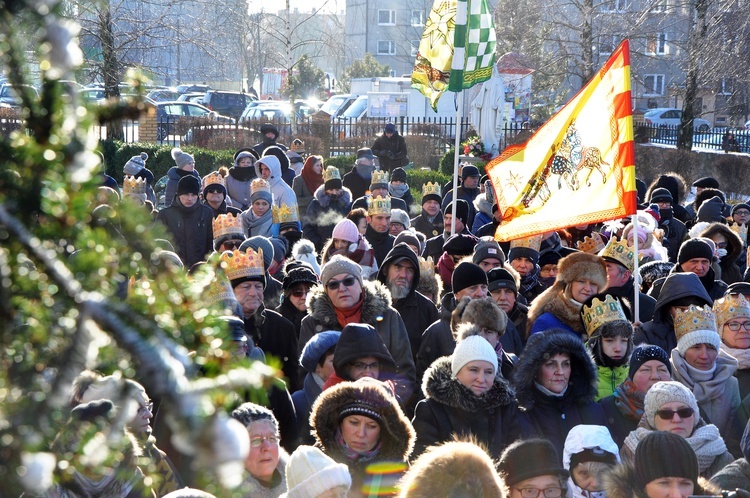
[
  {"x": 361, "y": 366},
  {"x": 300, "y": 293},
  {"x": 534, "y": 492},
  {"x": 214, "y": 191},
  {"x": 735, "y": 326},
  {"x": 148, "y": 408},
  {"x": 256, "y": 441},
  {"x": 334, "y": 284},
  {"x": 665, "y": 414},
  {"x": 232, "y": 244},
  {"x": 742, "y": 212}
]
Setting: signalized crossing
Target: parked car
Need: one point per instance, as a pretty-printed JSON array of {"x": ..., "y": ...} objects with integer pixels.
[
  {"x": 94, "y": 95},
  {"x": 227, "y": 103},
  {"x": 669, "y": 116},
  {"x": 169, "y": 116},
  {"x": 196, "y": 97},
  {"x": 163, "y": 95},
  {"x": 337, "y": 104},
  {"x": 193, "y": 88},
  {"x": 278, "y": 110},
  {"x": 9, "y": 96}
]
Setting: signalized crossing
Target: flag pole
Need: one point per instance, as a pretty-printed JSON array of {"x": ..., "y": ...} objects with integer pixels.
[
  {"x": 459, "y": 115},
  {"x": 636, "y": 284}
]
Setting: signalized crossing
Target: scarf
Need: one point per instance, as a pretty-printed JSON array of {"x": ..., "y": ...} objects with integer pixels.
[
  {"x": 629, "y": 400},
  {"x": 529, "y": 281},
  {"x": 350, "y": 454},
  {"x": 705, "y": 388},
  {"x": 312, "y": 179},
  {"x": 244, "y": 174},
  {"x": 251, "y": 223},
  {"x": 352, "y": 315},
  {"x": 445, "y": 268},
  {"x": 364, "y": 171},
  {"x": 108, "y": 486},
  {"x": 398, "y": 191},
  {"x": 705, "y": 441},
  {"x": 741, "y": 355}
]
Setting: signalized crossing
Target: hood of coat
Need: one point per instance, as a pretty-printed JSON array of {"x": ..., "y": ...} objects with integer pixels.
[
  {"x": 440, "y": 385},
  {"x": 588, "y": 437},
  {"x": 176, "y": 173},
  {"x": 273, "y": 165},
  {"x": 364, "y": 342},
  {"x": 397, "y": 436},
  {"x": 325, "y": 200},
  {"x": 539, "y": 348},
  {"x": 674, "y": 182},
  {"x": 482, "y": 205},
  {"x": 447, "y": 306},
  {"x": 398, "y": 253},
  {"x": 377, "y": 302},
  {"x": 734, "y": 243},
  {"x": 678, "y": 285},
  {"x": 712, "y": 210},
  {"x": 554, "y": 301}
]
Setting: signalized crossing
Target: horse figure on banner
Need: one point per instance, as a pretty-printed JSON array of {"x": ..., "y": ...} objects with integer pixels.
[{"x": 572, "y": 157}]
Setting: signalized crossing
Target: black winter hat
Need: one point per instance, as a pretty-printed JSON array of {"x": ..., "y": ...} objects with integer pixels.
[
  {"x": 706, "y": 182},
  {"x": 741, "y": 205},
  {"x": 644, "y": 353},
  {"x": 462, "y": 210},
  {"x": 469, "y": 170},
  {"x": 460, "y": 244},
  {"x": 467, "y": 274},
  {"x": 528, "y": 459},
  {"x": 93, "y": 410},
  {"x": 524, "y": 252},
  {"x": 500, "y": 278},
  {"x": 398, "y": 175},
  {"x": 664, "y": 454},
  {"x": 661, "y": 195},
  {"x": 302, "y": 274},
  {"x": 694, "y": 248},
  {"x": 189, "y": 184},
  {"x": 266, "y": 127},
  {"x": 738, "y": 288},
  {"x": 549, "y": 258}
]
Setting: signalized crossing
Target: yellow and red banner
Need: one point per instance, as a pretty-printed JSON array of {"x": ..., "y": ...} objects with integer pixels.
[{"x": 579, "y": 167}]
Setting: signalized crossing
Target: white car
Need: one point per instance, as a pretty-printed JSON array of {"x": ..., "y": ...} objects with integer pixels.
[{"x": 670, "y": 116}]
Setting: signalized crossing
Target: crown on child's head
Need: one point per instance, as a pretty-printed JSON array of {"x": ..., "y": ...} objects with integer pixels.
[
  {"x": 601, "y": 312},
  {"x": 134, "y": 186}
]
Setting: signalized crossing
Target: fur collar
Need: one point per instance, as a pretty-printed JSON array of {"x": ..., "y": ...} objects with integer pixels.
[
  {"x": 377, "y": 303},
  {"x": 324, "y": 200},
  {"x": 554, "y": 301},
  {"x": 482, "y": 205},
  {"x": 583, "y": 377},
  {"x": 440, "y": 385}
]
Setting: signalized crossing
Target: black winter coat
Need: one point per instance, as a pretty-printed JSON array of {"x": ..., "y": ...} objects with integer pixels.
[
  {"x": 276, "y": 336},
  {"x": 451, "y": 409},
  {"x": 429, "y": 228},
  {"x": 381, "y": 243},
  {"x": 322, "y": 215},
  {"x": 356, "y": 183},
  {"x": 303, "y": 401},
  {"x": 191, "y": 229},
  {"x": 391, "y": 152},
  {"x": 646, "y": 303}
]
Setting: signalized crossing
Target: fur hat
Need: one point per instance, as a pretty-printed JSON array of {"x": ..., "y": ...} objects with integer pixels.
[
  {"x": 268, "y": 127},
  {"x": 652, "y": 271},
  {"x": 664, "y": 454},
  {"x": 316, "y": 348},
  {"x": 181, "y": 159},
  {"x": 339, "y": 264},
  {"x": 473, "y": 348},
  {"x": 582, "y": 265},
  {"x": 528, "y": 459},
  {"x": 135, "y": 164},
  {"x": 665, "y": 392},
  {"x": 469, "y": 170},
  {"x": 484, "y": 313},
  {"x": 400, "y": 216},
  {"x": 310, "y": 472}
]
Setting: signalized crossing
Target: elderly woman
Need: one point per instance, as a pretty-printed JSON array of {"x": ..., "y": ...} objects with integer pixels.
[
  {"x": 733, "y": 324},
  {"x": 532, "y": 468},
  {"x": 671, "y": 407},
  {"x": 349, "y": 242},
  {"x": 589, "y": 453},
  {"x": 266, "y": 462},
  {"x": 466, "y": 396},
  {"x": 624, "y": 409},
  {"x": 699, "y": 364},
  {"x": 579, "y": 276},
  {"x": 555, "y": 381},
  {"x": 343, "y": 298},
  {"x": 361, "y": 425}
]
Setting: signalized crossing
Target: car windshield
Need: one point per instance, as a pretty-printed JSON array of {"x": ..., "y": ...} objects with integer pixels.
[
  {"x": 332, "y": 104},
  {"x": 356, "y": 108}
]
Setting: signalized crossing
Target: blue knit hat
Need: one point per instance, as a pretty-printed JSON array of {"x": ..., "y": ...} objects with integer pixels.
[{"x": 316, "y": 347}]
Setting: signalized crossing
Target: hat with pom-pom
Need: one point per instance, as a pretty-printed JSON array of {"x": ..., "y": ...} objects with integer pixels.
[
  {"x": 135, "y": 164},
  {"x": 181, "y": 159}
]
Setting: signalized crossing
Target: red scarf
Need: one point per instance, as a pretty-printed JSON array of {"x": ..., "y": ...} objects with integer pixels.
[
  {"x": 312, "y": 179},
  {"x": 352, "y": 315},
  {"x": 445, "y": 266}
]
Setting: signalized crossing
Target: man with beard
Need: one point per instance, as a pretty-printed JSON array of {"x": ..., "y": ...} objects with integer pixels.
[{"x": 400, "y": 273}]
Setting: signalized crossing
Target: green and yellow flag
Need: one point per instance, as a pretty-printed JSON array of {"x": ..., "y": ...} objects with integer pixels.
[{"x": 457, "y": 49}]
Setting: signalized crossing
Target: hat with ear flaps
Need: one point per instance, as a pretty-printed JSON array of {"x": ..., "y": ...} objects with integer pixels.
[
  {"x": 581, "y": 265},
  {"x": 484, "y": 313}
]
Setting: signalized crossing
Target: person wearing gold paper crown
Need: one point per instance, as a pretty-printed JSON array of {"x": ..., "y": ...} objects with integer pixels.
[
  {"x": 430, "y": 221},
  {"x": 136, "y": 166},
  {"x": 610, "y": 340},
  {"x": 619, "y": 258},
  {"x": 258, "y": 218},
  {"x": 700, "y": 365},
  {"x": 378, "y": 227},
  {"x": 379, "y": 188},
  {"x": 135, "y": 189},
  {"x": 523, "y": 256},
  {"x": 228, "y": 232},
  {"x": 331, "y": 203},
  {"x": 733, "y": 324},
  {"x": 215, "y": 195}
]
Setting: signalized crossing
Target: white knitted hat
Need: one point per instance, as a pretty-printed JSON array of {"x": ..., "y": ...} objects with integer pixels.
[
  {"x": 665, "y": 392},
  {"x": 471, "y": 349},
  {"x": 310, "y": 473}
]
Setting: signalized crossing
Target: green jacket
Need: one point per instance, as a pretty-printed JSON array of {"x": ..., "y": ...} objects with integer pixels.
[{"x": 609, "y": 378}]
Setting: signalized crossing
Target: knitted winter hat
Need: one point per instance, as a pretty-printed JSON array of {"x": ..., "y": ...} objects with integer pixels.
[
  {"x": 398, "y": 175},
  {"x": 549, "y": 258},
  {"x": 488, "y": 248},
  {"x": 473, "y": 348},
  {"x": 408, "y": 237},
  {"x": 400, "y": 216},
  {"x": 135, "y": 164},
  {"x": 695, "y": 325},
  {"x": 500, "y": 278},
  {"x": 346, "y": 230},
  {"x": 460, "y": 244},
  {"x": 644, "y": 353},
  {"x": 661, "y": 195},
  {"x": 189, "y": 184},
  {"x": 260, "y": 242},
  {"x": 740, "y": 205},
  {"x": 526, "y": 459},
  {"x": 181, "y": 159},
  {"x": 302, "y": 274},
  {"x": 310, "y": 473},
  {"x": 462, "y": 211},
  {"x": 316, "y": 347},
  {"x": 304, "y": 250},
  {"x": 694, "y": 248},
  {"x": 390, "y": 128},
  {"x": 467, "y": 274},
  {"x": 339, "y": 264},
  {"x": 260, "y": 190},
  {"x": 664, "y": 454},
  {"x": 665, "y": 392}
]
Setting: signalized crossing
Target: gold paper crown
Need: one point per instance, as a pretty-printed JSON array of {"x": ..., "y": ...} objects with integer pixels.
[
  {"x": 258, "y": 185},
  {"x": 239, "y": 264},
  {"x": 426, "y": 266},
  {"x": 212, "y": 179},
  {"x": 331, "y": 173},
  {"x": 134, "y": 186},
  {"x": 601, "y": 312},
  {"x": 533, "y": 242},
  {"x": 378, "y": 205},
  {"x": 379, "y": 177},
  {"x": 298, "y": 146},
  {"x": 591, "y": 244},
  {"x": 620, "y": 251},
  {"x": 731, "y": 306},
  {"x": 431, "y": 188},
  {"x": 693, "y": 319},
  {"x": 740, "y": 230},
  {"x": 227, "y": 224},
  {"x": 286, "y": 213},
  {"x": 219, "y": 291}
]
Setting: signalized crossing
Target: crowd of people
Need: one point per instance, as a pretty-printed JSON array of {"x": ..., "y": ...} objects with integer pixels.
[{"x": 418, "y": 362}]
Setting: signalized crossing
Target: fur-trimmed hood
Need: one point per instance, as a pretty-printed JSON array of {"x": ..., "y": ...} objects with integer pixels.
[
  {"x": 540, "y": 347},
  {"x": 482, "y": 205},
  {"x": 397, "y": 436},
  {"x": 377, "y": 302},
  {"x": 674, "y": 182},
  {"x": 553, "y": 300},
  {"x": 620, "y": 483},
  {"x": 440, "y": 385},
  {"x": 734, "y": 242},
  {"x": 325, "y": 200}
]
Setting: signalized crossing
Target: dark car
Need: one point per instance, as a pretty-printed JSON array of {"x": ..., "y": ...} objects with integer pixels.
[
  {"x": 171, "y": 116},
  {"x": 227, "y": 103}
]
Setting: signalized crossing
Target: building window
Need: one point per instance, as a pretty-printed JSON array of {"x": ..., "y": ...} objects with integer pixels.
[
  {"x": 657, "y": 44},
  {"x": 417, "y": 18},
  {"x": 654, "y": 84},
  {"x": 386, "y": 17},
  {"x": 386, "y": 47},
  {"x": 660, "y": 6},
  {"x": 726, "y": 86},
  {"x": 414, "y": 47},
  {"x": 607, "y": 44},
  {"x": 614, "y": 5}
]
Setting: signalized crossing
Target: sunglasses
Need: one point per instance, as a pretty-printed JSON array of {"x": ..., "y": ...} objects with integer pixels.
[
  {"x": 214, "y": 191},
  {"x": 347, "y": 282},
  {"x": 232, "y": 244},
  {"x": 300, "y": 293},
  {"x": 669, "y": 414}
]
